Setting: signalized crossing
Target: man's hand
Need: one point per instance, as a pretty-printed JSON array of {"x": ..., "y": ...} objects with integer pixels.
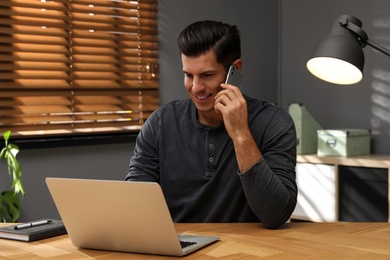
[{"x": 232, "y": 104}]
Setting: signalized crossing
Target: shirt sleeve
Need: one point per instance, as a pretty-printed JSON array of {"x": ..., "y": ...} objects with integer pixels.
[
  {"x": 144, "y": 164},
  {"x": 270, "y": 185}
]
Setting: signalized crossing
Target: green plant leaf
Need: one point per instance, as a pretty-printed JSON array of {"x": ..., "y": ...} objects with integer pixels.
[
  {"x": 6, "y": 135},
  {"x": 9, "y": 200},
  {"x": 9, "y": 206},
  {"x": 2, "y": 153},
  {"x": 14, "y": 168}
]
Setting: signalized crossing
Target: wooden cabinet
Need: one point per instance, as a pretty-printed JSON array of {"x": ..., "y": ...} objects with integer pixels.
[
  {"x": 318, "y": 185},
  {"x": 316, "y": 192}
]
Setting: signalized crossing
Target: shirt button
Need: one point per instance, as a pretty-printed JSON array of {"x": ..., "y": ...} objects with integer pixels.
[
  {"x": 211, "y": 159},
  {"x": 211, "y": 146}
]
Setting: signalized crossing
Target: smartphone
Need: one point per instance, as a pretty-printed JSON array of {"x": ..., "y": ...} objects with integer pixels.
[{"x": 234, "y": 77}]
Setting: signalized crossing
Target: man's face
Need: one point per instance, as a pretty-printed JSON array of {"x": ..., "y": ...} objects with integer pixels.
[{"x": 202, "y": 78}]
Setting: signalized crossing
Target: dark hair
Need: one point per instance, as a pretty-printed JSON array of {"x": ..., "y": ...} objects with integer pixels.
[{"x": 200, "y": 37}]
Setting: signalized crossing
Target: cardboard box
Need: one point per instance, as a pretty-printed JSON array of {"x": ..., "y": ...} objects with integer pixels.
[
  {"x": 347, "y": 142},
  {"x": 306, "y": 127}
]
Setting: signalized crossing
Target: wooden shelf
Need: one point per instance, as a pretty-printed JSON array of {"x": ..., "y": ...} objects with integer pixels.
[{"x": 372, "y": 161}]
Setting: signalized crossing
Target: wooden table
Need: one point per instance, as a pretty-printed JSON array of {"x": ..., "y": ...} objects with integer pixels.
[{"x": 298, "y": 240}]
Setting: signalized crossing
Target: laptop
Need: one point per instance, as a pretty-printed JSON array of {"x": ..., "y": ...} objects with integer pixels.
[{"x": 120, "y": 216}]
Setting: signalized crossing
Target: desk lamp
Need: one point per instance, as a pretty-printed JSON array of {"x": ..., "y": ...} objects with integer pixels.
[{"x": 339, "y": 58}]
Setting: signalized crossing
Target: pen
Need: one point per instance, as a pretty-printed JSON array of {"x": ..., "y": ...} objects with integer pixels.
[{"x": 32, "y": 224}]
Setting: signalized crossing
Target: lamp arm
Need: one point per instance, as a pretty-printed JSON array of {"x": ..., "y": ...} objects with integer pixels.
[
  {"x": 378, "y": 47},
  {"x": 362, "y": 36}
]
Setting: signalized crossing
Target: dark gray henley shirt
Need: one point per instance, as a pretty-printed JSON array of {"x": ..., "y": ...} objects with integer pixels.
[{"x": 197, "y": 168}]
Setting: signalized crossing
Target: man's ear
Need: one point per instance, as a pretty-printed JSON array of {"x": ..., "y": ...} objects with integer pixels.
[{"x": 238, "y": 64}]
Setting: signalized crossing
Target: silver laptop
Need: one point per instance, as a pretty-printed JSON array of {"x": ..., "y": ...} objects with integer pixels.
[{"x": 120, "y": 216}]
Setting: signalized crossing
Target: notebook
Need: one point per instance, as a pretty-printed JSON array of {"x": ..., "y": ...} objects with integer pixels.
[{"x": 120, "y": 216}]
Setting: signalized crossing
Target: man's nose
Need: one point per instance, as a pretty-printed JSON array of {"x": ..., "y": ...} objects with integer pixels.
[{"x": 197, "y": 84}]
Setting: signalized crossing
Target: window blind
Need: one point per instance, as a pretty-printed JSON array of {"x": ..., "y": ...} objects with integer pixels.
[{"x": 77, "y": 66}]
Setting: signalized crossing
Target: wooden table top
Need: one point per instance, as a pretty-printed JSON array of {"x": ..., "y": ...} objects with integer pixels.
[{"x": 300, "y": 240}]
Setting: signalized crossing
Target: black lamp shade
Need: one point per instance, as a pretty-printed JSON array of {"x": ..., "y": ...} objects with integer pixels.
[{"x": 338, "y": 58}]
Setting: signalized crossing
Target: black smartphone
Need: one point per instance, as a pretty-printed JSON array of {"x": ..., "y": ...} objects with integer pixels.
[{"x": 234, "y": 77}]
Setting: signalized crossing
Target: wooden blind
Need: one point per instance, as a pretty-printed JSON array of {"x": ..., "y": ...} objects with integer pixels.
[{"x": 77, "y": 66}]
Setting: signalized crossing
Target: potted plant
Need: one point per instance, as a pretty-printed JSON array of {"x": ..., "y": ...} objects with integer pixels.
[{"x": 9, "y": 199}]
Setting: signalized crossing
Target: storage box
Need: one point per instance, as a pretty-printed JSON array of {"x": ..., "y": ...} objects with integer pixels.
[
  {"x": 306, "y": 127},
  {"x": 347, "y": 142}
]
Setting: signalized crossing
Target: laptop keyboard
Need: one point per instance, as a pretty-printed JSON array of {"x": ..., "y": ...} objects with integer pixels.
[{"x": 185, "y": 244}]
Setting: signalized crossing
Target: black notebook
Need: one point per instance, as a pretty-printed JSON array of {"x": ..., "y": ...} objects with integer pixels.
[{"x": 34, "y": 230}]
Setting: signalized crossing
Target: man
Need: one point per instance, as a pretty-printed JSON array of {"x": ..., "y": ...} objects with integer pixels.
[{"x": 219, "y": 156}]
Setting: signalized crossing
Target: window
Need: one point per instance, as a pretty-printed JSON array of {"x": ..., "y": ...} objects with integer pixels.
[{"x": 71, "y": 67}]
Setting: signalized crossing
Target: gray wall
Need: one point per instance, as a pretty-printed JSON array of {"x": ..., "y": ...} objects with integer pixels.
[
  {"x": 258, "y": 22},
  {"x": 363, "y": 105}
]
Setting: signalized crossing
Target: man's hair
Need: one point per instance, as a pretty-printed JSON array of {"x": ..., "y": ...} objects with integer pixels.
[{"x": 200, "y": 37}]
